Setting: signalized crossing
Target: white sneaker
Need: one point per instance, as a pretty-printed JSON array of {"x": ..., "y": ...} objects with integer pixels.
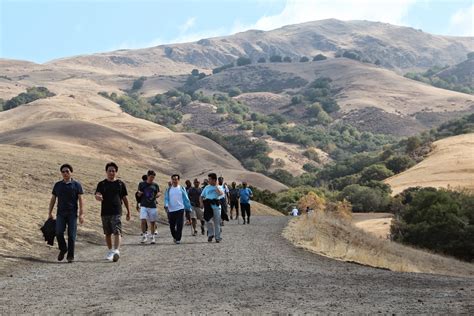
[
  {"x": 110, "y": 255},
  {"x": 115, "y": 255},
  {"x": 156, "y": 232},
  {"x": 144, "y": 238},
  {"x": 153, "y": 241}
]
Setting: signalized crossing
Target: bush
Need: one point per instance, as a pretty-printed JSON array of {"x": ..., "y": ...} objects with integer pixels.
[
  {"x": 138, "y": 83},
  {"x": 222, "y": 68},
  {"x": 261, "y": 60},
  {"x": 296, "y": 99},
  {"x": 283, "y": 176},
  {"x": 376, "y": 172},
  {"x": 195, "y": 72},
  {"x": 242, "y": 61},
  {"x": 365, "y": 199},
  {"x": 287, "y": 59},
  {"x": 330, "y": 105},
  {"x": 399, "y": 163},
  {"x": 304, "y": 59},
  {"x": 319, "y": 57},
  {"x": 31, "y": 94},
  {"x": 440, "y": 220},
  {"x": 275, "y": 59},
  {"x": 233, "y": 92}
]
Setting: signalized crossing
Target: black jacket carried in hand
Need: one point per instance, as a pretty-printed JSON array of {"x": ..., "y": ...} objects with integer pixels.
[{"x": 49, "y": 231}]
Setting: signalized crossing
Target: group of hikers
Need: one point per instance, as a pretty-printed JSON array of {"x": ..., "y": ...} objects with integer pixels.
[{"x": 207, "y": 203}]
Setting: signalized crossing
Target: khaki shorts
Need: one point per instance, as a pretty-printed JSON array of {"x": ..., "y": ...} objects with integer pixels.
[{"x": 197, "y": 213}]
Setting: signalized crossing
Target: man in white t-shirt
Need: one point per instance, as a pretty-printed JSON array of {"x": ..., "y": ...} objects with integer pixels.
[
  {"x": 176, "y": 203},
  {"x": 223, "y": 198},
  {"x": 294, "y": 212}
]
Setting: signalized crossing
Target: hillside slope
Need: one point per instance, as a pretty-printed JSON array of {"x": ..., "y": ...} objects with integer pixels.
[{"x": 450, "y": 164}]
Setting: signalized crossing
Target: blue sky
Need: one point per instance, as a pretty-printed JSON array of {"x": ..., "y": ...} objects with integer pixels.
[{"x": 42, "y": 30}]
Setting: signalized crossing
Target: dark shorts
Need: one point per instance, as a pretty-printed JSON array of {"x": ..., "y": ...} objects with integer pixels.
[
  {"x": 112, "y": 224},
  {"x": 234, "y": 204}
]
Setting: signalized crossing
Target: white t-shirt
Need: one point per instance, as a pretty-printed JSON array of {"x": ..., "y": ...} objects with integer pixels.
[
  {"x": 294, "y": 212},
  {"x": 175, "y": 202},
  {"x": 224, "y": 189}
]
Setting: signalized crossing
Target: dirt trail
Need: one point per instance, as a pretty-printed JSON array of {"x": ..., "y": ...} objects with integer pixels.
[{"x": 253, "y": 270}]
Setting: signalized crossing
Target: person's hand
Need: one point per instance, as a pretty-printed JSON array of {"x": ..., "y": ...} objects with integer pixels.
[
  {"x": 81, "y": 219},
  {"x": 128, "y": 216},
  {"x": 138, "y": 208},
  {"x": 98, "y": 197},
  {"x": 139, "y": 193}
]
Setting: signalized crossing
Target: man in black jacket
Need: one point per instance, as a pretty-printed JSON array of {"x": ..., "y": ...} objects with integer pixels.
[{"x": 68, "y": 192}]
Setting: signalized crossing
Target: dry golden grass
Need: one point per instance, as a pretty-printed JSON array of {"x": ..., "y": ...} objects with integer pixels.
[
  {"x": 338, "y": 239},
  {"x": 449, "y": 165},
  {"x": 377, "y": 224}
]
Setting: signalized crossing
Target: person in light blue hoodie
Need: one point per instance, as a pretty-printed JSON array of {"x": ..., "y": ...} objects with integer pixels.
[
  {"x": 209, "y": 200},
  {"x": 176, "y": 203}
]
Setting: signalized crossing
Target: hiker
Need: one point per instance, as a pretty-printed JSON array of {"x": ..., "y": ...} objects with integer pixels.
[
  {"x": 234, "y": 195},
  {"x": 68, "y": 192},
  {"x": 176, "y": 203},
  {"x": 294, "y": 212},
  {"x": 223, "y": 198},
  {"x": 196, "y": 211},
  {"x": 188, "y": 214},
  {"x": 245, "y": 195},
  {"x": 149, "y": 192},
  {"x": 204, "y": 183},
  {"x": 112, "y": 192},
  {"x": 209, "y": 201}
]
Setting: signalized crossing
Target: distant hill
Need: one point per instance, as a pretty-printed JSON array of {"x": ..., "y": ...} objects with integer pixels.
[{"x": 393, "y": 47}]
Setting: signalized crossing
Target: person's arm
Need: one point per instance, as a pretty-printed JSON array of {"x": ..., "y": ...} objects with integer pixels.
[
  {"x": 219, "y": 192},
  {"x": 98, "y": 194},
  {"x": 125, "y": 202},
  {"x": 51, "y": 206},
  {"x": 81, "y": 209},
  {"x": 201, "y": 202}
]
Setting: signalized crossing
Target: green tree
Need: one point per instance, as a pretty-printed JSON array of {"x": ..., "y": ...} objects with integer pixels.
[
  {"x": 399, "y": 163},
  {"x": 375, "y": 172},
  {"x": 276, "y": 59},
  {"x": 234, "y": 91},
  {"x": 138, "y": 83},
  {"x": 319, "y": 57},
  {"x": 287, "y": 59},
  {"x": 261, "y": 60},
  {"x": 242, "y": 61},
  {"x": 195, "y": 72},
  {"x": 304, "y": 59}
]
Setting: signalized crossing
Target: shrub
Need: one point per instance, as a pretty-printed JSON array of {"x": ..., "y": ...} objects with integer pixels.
[
  {"x": 138, "y": 83},
  {"x": 233, "y": 92},
  {"x": 365, "y": 199},
  {"x": 195, "y": 72},
  {"x": 242, "y": 61},
  {"x": 287, "y": 59},
  {"x": 376, "y": 172},
  {"x": 283, "y": 176},
  {"x": 319, "y": 57},
  {"x": 440, "y": 220},
  {"x": 275, "y": 59},
  {"x": 261, "y": 60},
  {"x": 31, "y": 94},
  {"x": 222, "y": 68},
  {"x": 297, "y": 99},
  {"x": 399, "y": 163},
  {"x": 304, "y": 59}
]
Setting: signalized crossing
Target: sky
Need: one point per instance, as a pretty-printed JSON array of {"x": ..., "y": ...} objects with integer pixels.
[{"x": 43, "y": 30}]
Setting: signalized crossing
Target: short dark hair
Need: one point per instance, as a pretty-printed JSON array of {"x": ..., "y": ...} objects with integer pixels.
[
  {"x": 221, "y": 178},
  {"x": 196, "y": 181},
  {"x": 66, "y": 165},
  {"x": 111, "y": 164},
  {"x": 175, "y": 175},
  {"x": 144, "y": 177},
  {"x": 151, "y": 173},
  {"x": 213, "y": 176}
]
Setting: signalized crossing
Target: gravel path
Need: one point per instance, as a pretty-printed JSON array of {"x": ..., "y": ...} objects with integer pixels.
[{"x": 254, "y": 270}]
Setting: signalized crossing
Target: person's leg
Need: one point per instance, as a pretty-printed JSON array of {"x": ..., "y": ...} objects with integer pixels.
[
  {"x": 179, "y": 225},
  {"x": 210, "y": 228},
  {"x": 117, "y": 241},
  {"x": 242, "y": 211},
  {"x": 144, "y": 226},
  {"x": 108, "y": 241},
  {"x": 194, "y": 224},
  {"x": 248, "y": 213},
  {"x": 172, "y": 221},
  {"x": 71, "y": 235},
  {"x": 60, "y": 228},
  {"x": 217, "y": 223}
]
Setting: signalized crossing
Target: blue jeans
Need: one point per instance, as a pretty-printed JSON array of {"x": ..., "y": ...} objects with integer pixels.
[
  {"x": 214, "y": 224},
  {"x": 71, "y": 221}
]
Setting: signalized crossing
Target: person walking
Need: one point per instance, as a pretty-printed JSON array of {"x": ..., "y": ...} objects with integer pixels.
[
  {"x": 68, "y": 192},
  {"x": 245, "y": 195},
  {"x": 209, "y": 201},
  {"x": 234, "y": 195},
  {"x": 223, "y": 198},
  {"x": 111, "y": 193},
  {"x": 176, "y": 203},
  {"x": 149, "y": 192},
  {"x": 197, "y": 212}
]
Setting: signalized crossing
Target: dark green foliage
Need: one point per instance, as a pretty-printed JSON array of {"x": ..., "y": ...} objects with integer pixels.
[
  {"x": 460, "y": 126},
  {"x": 283, "y": 176},
  {"x": 304, "y": 59},
  {"x": 440, "y": 220},
  {"x": 222, "y": 68},
  {"x": 352, "y": 55},
  {"x": 261, "y": 60},
  {"x": 30, "y": 95},
  {"x": 297, "y": 99},
  {"x": 233, "y": 92},
  {"x": 242, "y": 61},
  {"x": 252, "y": 153},
  {"x": 319, "y": 57},
  {"x": 138, "y": 84},
  {"x": 287, "y": 59},
  {"x": 276, "y": 59},
  {"x": 399, "y": 163},
  {"x": 309, "y": 167},
  {"x": 376, "y": 172},
  {"x": 431, "y": 77},
  {"x": 412, "y": 144},
  {"x": 329, "y": 105},
  {"x": 366, "y": 199},
  {"x": 195, "y": 72}
]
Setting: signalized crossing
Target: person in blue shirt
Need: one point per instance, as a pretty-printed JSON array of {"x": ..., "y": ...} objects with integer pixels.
[
  {"x": 68, "y": 192},
  {"x": 209, "y": 200},
  {"x": 245, "y": 196}
]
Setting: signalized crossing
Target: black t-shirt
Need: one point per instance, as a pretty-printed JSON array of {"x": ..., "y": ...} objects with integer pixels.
[
  {"x": 112, "y": 193},
  {"x": 150, "y": 190},
  {"x": 194, "y": 194},
  {"x": 68, "y": 195},
  {"x": 234, "y": 194}
]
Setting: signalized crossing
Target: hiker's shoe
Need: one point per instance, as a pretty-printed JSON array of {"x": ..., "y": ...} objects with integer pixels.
[
  {"x": 153, "y": 241},
  {"x": 70, "y": 259},
  {"x": 209, "y": 239},
  {"x": 244, "y": 221},
  {"x": 110, "y": 255},
  {"x": 202, "y": 230},
  {"x": 156, "y": 232},
  {"x": 248, "y": 220},
  {"x": 194, "y": 232},
  {"x": 218, "y": 240},
  {"x": 61, "y": 255},
  {"x": 178, "y": 242},
  {"x": 144, "y": 238},
  {"x": 222, "y": 223},
  {"x": 115, "y": 255}
]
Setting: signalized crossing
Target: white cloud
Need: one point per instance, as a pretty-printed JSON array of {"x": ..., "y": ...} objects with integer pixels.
[
  {"x": 183, "y": 28},
  {"x": 299, "y": 11},
  {"x": 461, "y": 22}
]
